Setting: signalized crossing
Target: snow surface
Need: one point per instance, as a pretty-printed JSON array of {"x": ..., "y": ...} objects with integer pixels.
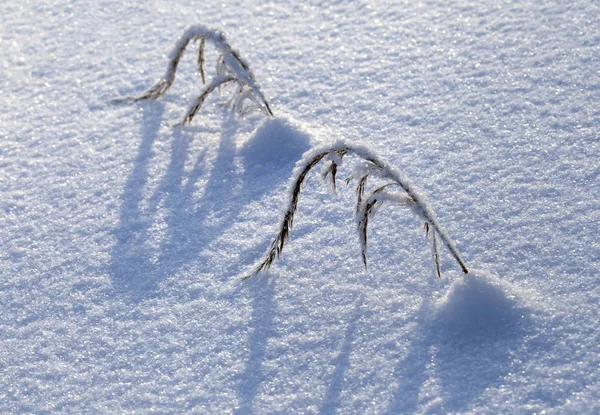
[{"x": 123, "y": 239}]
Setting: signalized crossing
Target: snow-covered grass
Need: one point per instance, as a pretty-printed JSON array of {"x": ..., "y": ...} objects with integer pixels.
[
  {"x": 396, "y": 190},
  {"x": 122, "y": 238},
  {"x": 230, "y": 68}
]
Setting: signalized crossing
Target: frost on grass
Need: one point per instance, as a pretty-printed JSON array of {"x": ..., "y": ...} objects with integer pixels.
[
  {"x": 394, "y": 189},
  {"x": 231, "y": 69}
]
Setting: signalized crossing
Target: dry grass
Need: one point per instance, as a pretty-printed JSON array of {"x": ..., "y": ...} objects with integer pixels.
[
  {"x": 231, "y": 69},
  {"x": 396, "y": 189}
]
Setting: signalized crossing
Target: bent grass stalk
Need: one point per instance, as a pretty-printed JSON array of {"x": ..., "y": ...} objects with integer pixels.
[
  {"x": 405, "y": 194},
  {"x": 231, "y": 68}
]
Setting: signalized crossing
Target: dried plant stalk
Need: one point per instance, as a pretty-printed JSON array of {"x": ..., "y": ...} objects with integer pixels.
[
  {"x": 288, "y": 219},
  {"x": 216, "y": 83},
  {"x": 230, "y": 68},
  {"x": 405, "y": 194}
]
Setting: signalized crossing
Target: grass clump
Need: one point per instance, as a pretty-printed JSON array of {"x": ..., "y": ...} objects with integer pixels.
[
  {"x": 395, "y": 189},
  {"x": 231, "y": 69}
]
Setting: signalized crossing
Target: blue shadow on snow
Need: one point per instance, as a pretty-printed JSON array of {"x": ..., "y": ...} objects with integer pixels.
[
  {"x": 263, "y": 314},
  {"x": 469, "y": 337},
  {"x": 267, "y": 157},
  {"x": 332, "y": 399},
  {"x": 130, "y": 260}
]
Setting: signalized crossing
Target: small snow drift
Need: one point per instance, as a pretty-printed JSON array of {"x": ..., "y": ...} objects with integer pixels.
[
  {"x": 231, "y": 68},
  {"x": 476, "y": 329},
  {"x": 277, "y": 142},
  {"x": 480, "y": 303}
]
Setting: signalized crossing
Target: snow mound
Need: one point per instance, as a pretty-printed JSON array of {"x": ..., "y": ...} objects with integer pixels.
[
  {"x": 475, "y": 331},
  {"x": 480, "y": 303},
  {"x": 276, "y": 143}
]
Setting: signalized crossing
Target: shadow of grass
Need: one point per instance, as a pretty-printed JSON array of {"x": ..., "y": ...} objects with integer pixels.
[
  {"x": 192, "y": 222},
  {"x": 463, "y": 345}
]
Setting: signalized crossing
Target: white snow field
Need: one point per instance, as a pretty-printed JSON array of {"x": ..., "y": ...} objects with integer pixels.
[{"x": 123, "y": 239}]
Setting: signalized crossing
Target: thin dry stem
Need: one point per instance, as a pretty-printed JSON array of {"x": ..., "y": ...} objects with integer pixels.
[
  {"x": 434, "y": 249},
  {"x": 288, "y": 219},
  {"x": 162, "y": 85},
  {"x": 332, "y": 172},
  {"x": 201, "y": 60},
  {"x": 360, "y": 191},
  {"x": 436, "y": 255},
  {"x": 200, "y": 100},
  {"x": 363, "y": 224}
]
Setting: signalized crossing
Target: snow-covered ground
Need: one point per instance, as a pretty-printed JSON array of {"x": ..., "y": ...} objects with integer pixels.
[{"x": 122, "y": 238}]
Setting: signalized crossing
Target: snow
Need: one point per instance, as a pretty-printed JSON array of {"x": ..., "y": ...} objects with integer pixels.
[{"x": 123, "y": 237}]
